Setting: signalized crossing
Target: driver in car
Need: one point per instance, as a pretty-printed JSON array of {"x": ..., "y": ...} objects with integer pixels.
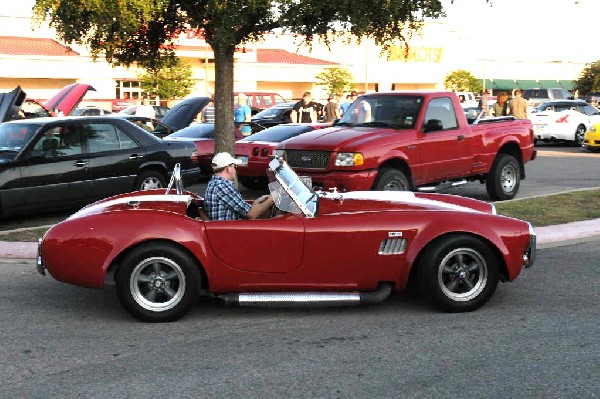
[{"x": 223, "y": 200}]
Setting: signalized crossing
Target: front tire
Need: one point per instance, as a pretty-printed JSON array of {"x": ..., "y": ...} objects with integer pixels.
[
  {"x": 504, "y": 178},
  {"x": 391, "y": 180},
  {"x": 158, "y": 282},
  {"x": 458, "y": 274}
]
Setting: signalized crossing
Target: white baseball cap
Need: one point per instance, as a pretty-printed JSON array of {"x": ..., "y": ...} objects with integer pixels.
[{"x": 223, "y": 159}]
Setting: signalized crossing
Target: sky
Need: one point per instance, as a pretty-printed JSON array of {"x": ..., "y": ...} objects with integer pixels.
[
  {"x": 555, "y": 30},
  {"x": 516, "y": 29}
]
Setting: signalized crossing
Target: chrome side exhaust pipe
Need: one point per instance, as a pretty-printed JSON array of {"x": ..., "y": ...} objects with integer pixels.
[{"x": 306, "y": 299}]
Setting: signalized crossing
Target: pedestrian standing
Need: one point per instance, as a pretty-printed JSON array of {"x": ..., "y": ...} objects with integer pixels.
[
  {"x": 518, "y": 105},
  {"x": 332, "y": 109},
  {"x": 304, "y": 111}
]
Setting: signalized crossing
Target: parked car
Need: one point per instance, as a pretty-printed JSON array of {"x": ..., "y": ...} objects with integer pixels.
[
  {"x": 564, "y": 120},
  {"x": 537, "y": 96},
  {"x": 159, "y": 111},
  {"x": 65, "y": 162},
  {"x": 203, "y": 137},
  {"x": 272, "y": 116},
  {"x": 592, "y": 97},
  {"x": 16, "y": 105},
  {"x": 259, "y": 100},
  {"x": 322, "y": 249},
  {"x": 90, "y": 111},
  {"x": 591, "y": 139},
  {"x": 256, "y": 150}
]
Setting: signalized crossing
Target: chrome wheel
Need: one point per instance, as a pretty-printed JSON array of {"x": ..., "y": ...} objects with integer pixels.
[
  {"x": 579, "y": 134},
  {"x": 150, "y": 183},
  {"x": 462, "y": 274},
  {"x": 509, "y": 177},
  {"x": 157, "y": 284}
]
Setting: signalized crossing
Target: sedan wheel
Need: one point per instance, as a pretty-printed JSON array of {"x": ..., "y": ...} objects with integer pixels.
[
  {"x": 158, "y": 282},
  {"x": 150, "y": 180},
  {"x": 579, "y": 134},
  {"x": 458, "y": 274}
]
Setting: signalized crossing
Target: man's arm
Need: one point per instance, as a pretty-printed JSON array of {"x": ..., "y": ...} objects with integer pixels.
[{"x": 260, "y": 206}]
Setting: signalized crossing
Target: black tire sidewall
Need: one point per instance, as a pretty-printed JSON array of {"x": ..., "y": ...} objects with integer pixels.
[
  {"x": 493, "y": 180},
  {"x": 387, "y": 175},
  {"x": 430, "y": 262},
  {"x": 179, "y": 256}
]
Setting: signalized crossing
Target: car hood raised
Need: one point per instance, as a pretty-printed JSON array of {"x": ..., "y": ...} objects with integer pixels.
[
  {"x": 10, "y": 104},
  {"x": 184, "y": 113},
  {"x": 68, "y": 98}
]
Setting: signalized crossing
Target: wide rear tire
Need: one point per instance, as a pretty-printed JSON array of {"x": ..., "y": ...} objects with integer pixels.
[
  {"x": 458, "y": 274},
  {"x": 158, "y": 282}
]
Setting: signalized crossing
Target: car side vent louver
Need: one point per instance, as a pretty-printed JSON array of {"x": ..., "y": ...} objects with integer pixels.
[{"x": 392, "y": 246}]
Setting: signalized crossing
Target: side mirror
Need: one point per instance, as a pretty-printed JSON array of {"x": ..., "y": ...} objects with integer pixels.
[{"x": 433, "y": 125}]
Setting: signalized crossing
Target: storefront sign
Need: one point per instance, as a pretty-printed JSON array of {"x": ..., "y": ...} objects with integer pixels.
[{"x": 416, "y": 54}]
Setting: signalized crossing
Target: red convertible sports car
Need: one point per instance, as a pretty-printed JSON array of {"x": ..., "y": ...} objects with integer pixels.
[{"x": 316, "y": 249}]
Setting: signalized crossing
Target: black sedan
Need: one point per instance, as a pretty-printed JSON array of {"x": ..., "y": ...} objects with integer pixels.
[
  {"x": 61, "y": 163},
  {"x": 273, "y": 116}
]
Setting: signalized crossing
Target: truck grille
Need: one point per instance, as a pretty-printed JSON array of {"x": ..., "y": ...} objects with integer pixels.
[{"x": 307, "y": 159}]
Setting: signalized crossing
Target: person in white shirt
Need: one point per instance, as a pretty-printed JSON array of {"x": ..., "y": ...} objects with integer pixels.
[{"x": 145, "y": 109}]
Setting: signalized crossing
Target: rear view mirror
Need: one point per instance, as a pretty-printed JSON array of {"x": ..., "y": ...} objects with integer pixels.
[{"x": 433, "y": 125}]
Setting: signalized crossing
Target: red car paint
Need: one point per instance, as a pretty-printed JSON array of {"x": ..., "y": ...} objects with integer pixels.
[{"x": 396, "y": 138}]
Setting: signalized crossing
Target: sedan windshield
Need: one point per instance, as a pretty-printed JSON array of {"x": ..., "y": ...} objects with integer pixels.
[
  {"x": 197, "y": 131},
  {"x": 277, "y": 134},
  {"x": 395, "y": 111}
]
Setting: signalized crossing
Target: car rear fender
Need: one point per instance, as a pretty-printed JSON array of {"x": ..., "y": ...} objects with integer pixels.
[{"x": 432, "y": 232}]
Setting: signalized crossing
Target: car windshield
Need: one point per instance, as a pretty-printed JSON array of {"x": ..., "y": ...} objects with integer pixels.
[
  {"x": 197, "y": 131},
  {"x": 397, "y": 111},
  {"x": 277, "y": 134},
  {"x": 289, "y": 192},
  {"x": 14, "y": 136},
  {"x": 269, "y": 112}
]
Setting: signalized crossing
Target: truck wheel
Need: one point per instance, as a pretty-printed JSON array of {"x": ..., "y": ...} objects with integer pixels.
[
  {"x": 149, "y": 180},
  {"x": 391, "y": 180},
  {"x": 158, "y": 283},
  {"x": 579, "y": 133},
  {"x": 458, "y": 274},
  {"x": 504, "y": 178}
]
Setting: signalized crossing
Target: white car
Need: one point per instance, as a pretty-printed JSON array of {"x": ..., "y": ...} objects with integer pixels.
[{"x": 563, "y": 120}]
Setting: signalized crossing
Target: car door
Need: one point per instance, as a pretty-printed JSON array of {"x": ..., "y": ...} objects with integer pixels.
[
  {"x": 52, "y": 173},
  {"x": 114, "y": 158},
  {"x": 263, "y": 245},
  {"x": 445, "y": 151}
]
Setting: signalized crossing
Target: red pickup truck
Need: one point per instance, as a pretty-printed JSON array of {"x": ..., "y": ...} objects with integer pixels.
[{"x": 414, "y": 141}]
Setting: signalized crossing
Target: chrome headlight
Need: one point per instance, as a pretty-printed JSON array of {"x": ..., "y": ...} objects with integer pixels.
[{"x": 349, "y": 159}]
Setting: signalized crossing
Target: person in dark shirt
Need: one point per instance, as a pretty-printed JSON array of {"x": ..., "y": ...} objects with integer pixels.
[{"x": 305, "y": 110}]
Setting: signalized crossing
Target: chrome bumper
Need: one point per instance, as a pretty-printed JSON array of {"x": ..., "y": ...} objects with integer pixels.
[{"x": 39, "y": 263}]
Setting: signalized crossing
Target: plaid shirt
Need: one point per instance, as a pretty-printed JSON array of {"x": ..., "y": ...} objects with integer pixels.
[{"x": 223, "y": 201}]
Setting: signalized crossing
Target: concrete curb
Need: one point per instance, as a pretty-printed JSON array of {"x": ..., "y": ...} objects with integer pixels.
[{"x": 546, "y": 237}]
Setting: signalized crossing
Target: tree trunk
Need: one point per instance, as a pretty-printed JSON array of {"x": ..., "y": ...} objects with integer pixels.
[{"x": 224, "y": 126}]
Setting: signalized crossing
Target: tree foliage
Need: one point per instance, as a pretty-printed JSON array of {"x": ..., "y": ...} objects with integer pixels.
[
  {"x": 171, "y": 81},
  {"x": 589, "y": 80},
  {"x": 142, "y": 31},
  {"x": 461, "y": 80},
  {"x": 335, "y": 80}
]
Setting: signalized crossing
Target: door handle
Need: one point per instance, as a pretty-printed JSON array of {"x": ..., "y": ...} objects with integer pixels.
[
  {"x": 80, "y": 164},
  {"x": 135, "y": 156},
  {"x": 461, "y": 137}
]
